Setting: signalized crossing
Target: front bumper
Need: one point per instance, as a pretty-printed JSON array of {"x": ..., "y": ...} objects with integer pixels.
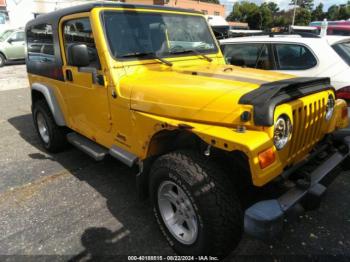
[{"x": 264, "y": 219}]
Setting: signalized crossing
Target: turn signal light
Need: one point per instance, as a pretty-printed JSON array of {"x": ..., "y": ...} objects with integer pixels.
[{"x": 266, "y": 158}]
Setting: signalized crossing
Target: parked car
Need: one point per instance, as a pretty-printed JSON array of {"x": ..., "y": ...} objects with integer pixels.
[
  {"x": 334, "y": 27},
  {"x": 303, "y": 29},
  {"x": 219, "y": 26},
  {"x": 148, "y": 85},
  {"x": 12, "y": 46},
  {"x": 343, "y": 30},
  {"x": 294, "y": 54}
]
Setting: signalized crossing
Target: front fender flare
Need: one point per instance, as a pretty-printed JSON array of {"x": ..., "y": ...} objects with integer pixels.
[{"x": 250, "y": 142}]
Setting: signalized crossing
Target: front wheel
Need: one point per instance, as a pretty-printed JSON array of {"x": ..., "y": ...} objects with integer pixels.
[{"x": 195, "y": 204}]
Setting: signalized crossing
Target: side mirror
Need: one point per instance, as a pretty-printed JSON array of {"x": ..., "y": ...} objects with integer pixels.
[
  {"x": 79, "y": 55},
  {"x": 10, "y": 41}
]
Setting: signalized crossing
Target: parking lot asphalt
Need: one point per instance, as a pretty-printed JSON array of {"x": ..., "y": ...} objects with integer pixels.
[{"x": 68, "y": 205}]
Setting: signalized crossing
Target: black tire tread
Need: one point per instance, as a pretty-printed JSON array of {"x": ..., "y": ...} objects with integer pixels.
[
  {"x": 58, "y": 140},
  {"x": 4, "y": 59},
  {"x": 222, "y": 208}
]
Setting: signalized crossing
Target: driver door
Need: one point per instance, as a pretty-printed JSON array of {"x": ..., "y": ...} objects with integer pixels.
[
  {"x": 85, "y": 97},
  {"x": 15, "y": 46}
]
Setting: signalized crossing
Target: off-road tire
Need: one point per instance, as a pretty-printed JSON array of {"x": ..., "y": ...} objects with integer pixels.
[
  {"x": 212, "y": 195},
  {"x": 57, "y": 134},
  {"x": 2, "y": 60}
]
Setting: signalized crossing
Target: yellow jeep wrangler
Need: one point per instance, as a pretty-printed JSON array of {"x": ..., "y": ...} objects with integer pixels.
[{"x": 148, "y": 86}]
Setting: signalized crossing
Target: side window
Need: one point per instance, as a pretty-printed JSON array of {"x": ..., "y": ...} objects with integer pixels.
[
  {"x": 249, "y": 55},
  {"x": 78, "y": 31},
  {"x": 264, "y": 61},
  {"x": 341, "y": 32},
  {"x": 17, "y": 37},
  {"x": 40, "y": 43},
  {"x": 294, "y": 57}
]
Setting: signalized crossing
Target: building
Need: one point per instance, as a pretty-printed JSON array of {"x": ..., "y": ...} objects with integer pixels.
[
  {"x": 204, "y": 7},
  {"x": 16, "y": 13},
  {"x": 3, "y": 14},
  {"x": 238, "y": 25}
]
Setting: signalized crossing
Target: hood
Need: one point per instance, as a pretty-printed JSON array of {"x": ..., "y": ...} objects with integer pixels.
[{"x": 197, "y": 93}]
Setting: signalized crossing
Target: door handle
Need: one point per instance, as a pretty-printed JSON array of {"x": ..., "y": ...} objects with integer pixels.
[{"x": 69, "y": 75}]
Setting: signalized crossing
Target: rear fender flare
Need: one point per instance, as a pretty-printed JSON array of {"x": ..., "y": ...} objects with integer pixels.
[{"x": 51, "y": 100}]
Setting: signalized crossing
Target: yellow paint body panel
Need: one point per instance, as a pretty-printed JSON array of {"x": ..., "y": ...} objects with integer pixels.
[{"x": 152, "y": 97}]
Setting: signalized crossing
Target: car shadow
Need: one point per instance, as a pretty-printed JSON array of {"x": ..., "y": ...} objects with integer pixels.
[
  {"x": 115, "y": 182},
  {"x": 15, "y": 62},
  {"x": 139, "y": 234}
]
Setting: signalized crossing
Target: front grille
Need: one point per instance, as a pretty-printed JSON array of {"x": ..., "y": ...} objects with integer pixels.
[{"x": 307, "y": 127}]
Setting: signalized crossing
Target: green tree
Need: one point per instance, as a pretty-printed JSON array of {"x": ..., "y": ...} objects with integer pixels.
[
  {"x": 242, "y": 11},
  {"x": 266, "y": 17},
  {"x": 306, "y": 4},
  {"x": 235, "y": 14},
  {"x": 275, "y": 18},
  {"x": 318, "y": 14},
  {"x": 333, "y": 12},
  {"x": 273, "y": 7},
  {"x": 281, "y": 20},
  {"x": 344, "y": 12},
  {"x": 302, "y": 17}
]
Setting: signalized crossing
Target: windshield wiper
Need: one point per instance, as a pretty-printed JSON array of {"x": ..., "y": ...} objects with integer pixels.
[
  {"x": 151, "y": 55},
  {"x": 194, "y": 51}
]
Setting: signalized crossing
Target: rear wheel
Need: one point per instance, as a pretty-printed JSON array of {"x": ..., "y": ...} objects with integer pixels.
[
  {"x": 2, "y": 60},
  {"x": 195, "y": 204},
  {"x": 53, "y": 137}
]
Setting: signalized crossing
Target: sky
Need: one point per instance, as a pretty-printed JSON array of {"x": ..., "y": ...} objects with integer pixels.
[{"x": 283, "y": 4}]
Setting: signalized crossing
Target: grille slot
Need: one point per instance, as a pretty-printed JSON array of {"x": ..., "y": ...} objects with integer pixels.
[{"x": 307, "y": 124}]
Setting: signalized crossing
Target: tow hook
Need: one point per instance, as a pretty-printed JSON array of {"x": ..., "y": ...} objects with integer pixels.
[
  {"x": 304, "y": 182},
  {"x": 207, "y": 151}
]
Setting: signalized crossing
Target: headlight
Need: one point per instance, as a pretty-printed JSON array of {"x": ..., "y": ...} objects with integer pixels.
[
  {"x": 330, "y": 107},
  {"x": 283, "y": 131}
]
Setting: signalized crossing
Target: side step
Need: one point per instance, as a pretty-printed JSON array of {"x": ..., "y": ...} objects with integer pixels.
[
  {"x": 124, "y": 156},
  {"x": 88, "y": 146}
]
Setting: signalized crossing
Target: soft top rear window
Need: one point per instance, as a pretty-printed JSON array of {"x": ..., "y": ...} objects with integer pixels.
[{"x": 40, "y": 43}]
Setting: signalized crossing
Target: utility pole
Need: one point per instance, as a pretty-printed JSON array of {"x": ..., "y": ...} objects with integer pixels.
[{"x": 294, "y": 12}]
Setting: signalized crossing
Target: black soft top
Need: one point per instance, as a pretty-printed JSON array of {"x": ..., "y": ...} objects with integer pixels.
[{"x": 54, "y": 17}]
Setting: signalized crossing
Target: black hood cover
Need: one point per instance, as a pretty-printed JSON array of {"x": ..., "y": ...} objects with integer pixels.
[{"x": 269, "y": 95}]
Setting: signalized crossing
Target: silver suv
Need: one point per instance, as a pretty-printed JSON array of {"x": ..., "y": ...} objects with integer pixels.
[{"x": 11, "y": 46}]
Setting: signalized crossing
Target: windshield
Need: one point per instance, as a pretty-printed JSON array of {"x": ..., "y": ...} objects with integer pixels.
[
  {"x": 131, "y": 34},
  {"x": 343, "y": 50},
  {"x": 4, "y": 35}
]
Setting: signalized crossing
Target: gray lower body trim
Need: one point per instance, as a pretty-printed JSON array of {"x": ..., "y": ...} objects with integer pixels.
[
  {"x": 88, "y": 146},
  {"x": 51, "y": 100},
  {"x": 124, "y": 156}
]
